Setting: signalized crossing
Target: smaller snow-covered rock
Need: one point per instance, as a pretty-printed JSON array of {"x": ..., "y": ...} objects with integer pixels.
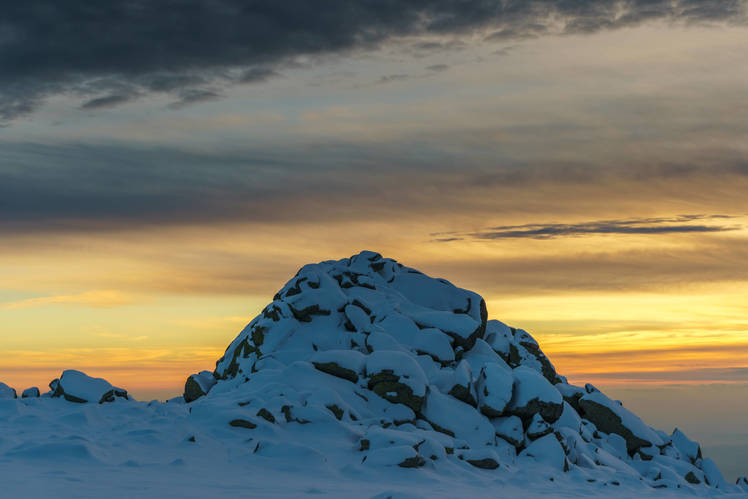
[
  {"x": 686, "y": 446},
  {"x": 569, "y": 419},
  {"x": 494, "y": 388},
  {"x": 460, "y": 383},
  {"x": 712, "y": 474},
  {"x": 484, "y": 458},
  {"x": 547, "y": 450},
  {"x": 538, "y": 427},
  {"x": 7, "y": 392},
  {"x": 32, "y": 392},
  {"x": 742, "y": 483},
  {"x": 198, "y": 385},
  {"x": 75, "y": 386},
  {"x": 510, "y": 429},
  {"x": 534, "y": 394},
  {"x": 357, "y": 319},
  {"x": 458, "y": 419},
  {"x": 396, "y": 377},
  {"x": 435, "y": 343}
]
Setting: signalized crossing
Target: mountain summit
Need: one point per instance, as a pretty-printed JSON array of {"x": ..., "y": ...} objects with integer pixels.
[{"x": 411, "y": 369}]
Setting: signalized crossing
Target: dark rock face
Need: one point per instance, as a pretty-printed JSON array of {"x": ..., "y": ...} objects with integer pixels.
[
  {"x": 388, "y": 386},
  {"x": 198, "y": 385},
  {"x": 32, "y": 392},
  {"x": 413, "y": 462},
  {"x": 609, "y": 422},
  {"x": 242, "y": 423},
  {"x": 335, "y": 370},
  {"x": 485, "y": 463},
  {"x": 548, "y": 410}
]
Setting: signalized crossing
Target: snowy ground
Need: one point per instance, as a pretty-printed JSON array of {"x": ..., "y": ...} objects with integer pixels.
[{"x": 54, "y": 448}]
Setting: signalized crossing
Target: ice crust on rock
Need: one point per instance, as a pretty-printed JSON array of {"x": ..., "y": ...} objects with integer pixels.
[{"x": 363, "y": 364}]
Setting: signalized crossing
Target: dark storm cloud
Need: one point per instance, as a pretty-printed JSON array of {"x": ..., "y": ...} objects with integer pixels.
[
  {"x": 649, "y": 226},
  {"x": 76, "y": 187},
  {"x": 48, "y": 47}
]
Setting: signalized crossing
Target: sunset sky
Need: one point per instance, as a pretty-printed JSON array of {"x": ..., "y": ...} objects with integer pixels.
[{"x": 582, "y": 165}]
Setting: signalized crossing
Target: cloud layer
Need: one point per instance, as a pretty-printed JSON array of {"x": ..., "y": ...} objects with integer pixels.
[
  {"x": 642, "y": 226},
  {"x": 113, "y": 52}
]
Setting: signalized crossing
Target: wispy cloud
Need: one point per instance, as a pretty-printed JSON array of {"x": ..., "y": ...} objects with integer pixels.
[
  {"x": 645, "y": 226},
  {"x": 96, "y": 299}
]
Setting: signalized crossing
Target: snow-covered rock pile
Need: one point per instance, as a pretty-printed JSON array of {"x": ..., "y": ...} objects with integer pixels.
[{"x": 414, "y": 375}]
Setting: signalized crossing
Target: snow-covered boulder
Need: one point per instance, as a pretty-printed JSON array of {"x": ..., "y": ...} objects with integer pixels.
[
  {"x": 538, "y": 427},
  {"x": 548, "y": 451},
  {"x": 534, "y": 394},
  {"x": 494, "y": 387},
  {"x": 458, "y": 419},
  {"x": 510, "y": 429},
  {"x": 75, "y": 386},
  {"x": 198, "y": 385},
  {"x": 459, "y": 383},
  {"x": 713, "y": 475},
  {"x": 686, "y": 446},
  {"x": 7, "y": 392},
  {"x": 32, "y": 392},
  {"x": 396, "y": 377},
  {"x": 742, "y": 483},
  {"x": 611, "y": 417}
]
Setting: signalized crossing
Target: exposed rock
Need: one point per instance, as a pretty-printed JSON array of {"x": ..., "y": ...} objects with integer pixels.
[
  {"x": 32, "y": 392},
  {"x": 611, "y": 417},
  {"x": 242, "y": 423},
  {"x": 198, "y": 385}
]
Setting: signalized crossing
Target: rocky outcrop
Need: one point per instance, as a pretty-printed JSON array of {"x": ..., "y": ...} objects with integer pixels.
[{"x": 76, "y": 386}]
